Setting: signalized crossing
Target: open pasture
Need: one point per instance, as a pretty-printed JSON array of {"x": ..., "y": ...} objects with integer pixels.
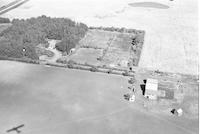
[
  {"x": 52, "y": 100},
  {"x": 171, "y": 27},
  {"x": 118, "y": 53},
  {"x": 122, "y": 41},
  {"x": 87, "y": 55},
  {"x": 97, "y": 39},
  {"x": 101, "y": 47},
  {"x": 117, "y": 57}
]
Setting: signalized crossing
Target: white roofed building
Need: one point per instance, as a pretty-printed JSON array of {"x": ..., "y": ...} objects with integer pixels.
[{"x": 151, "y": 89}]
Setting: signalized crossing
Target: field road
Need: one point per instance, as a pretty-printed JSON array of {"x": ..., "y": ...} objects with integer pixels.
[
  {"x": 10, "y": 5},
  {"x": 57, "y": 54}
]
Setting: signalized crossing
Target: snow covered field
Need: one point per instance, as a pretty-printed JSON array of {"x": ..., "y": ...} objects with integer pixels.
[{"x": 171, "y": 42}]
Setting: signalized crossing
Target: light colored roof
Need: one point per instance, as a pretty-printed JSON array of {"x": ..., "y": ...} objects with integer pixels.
[
  {"x": 152, "y": 84},
  {"x": 149, "y": 80}
]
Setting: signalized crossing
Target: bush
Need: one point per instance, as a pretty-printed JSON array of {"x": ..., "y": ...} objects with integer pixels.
[
  {"x": 93, "y": 69},
  {"x": 61, "y": 60},
  {"x": 86, "y": 64},
  {"x": 125, "y": 73},
  {"x": 70, "y": 65},
  {"x": 104, "y": 66},
  {"x": 71, "y": 62},
  {"x": 132, "y": 80}
]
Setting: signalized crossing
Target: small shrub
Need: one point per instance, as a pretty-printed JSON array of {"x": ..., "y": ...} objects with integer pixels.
[
  {"x": 132, "y": 80},
  {"x": 104, "y": 66},
  {"x": 71, "y": 62},
  {"x": 125, "y": 73},
  {"x": 62, "y": 60},
  {"x": 69, "y": 65},
  {"x": 86, "y": 64},
  {"x": 93, "y": 69}
]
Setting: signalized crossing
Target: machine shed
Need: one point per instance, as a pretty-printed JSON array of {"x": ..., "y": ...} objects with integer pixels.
[{"x": 151, "y": 89}]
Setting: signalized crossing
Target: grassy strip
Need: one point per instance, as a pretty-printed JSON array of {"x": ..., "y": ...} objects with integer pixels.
[
  {"x": 73, "y": 66},
  {"x": 102, "y": 69},
  {"x": 92, "y": 68}
]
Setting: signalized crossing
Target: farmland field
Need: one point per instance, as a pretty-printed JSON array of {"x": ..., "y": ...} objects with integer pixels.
[
  {"x": 119, "y": 51},
  {"x": 97, "y": 38},
  {"x": 171, "y": 30},
  {"x": 52, "y": 100},
  {"x": 87, "y": 55},
  {"x": 100, "y": 47},
  {"x": 116, "y": 57}
]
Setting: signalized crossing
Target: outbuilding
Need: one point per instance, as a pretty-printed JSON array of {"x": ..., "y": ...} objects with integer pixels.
[
  {"x": 151, "y": 89},
  {"x": 72, "y": 51}
]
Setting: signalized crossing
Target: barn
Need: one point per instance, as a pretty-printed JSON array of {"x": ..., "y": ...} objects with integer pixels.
[{"x": 151, "y": 89}]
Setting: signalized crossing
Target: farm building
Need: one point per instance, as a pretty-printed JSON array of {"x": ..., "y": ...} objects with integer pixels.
[
  {"x": 151, "y": 89},
  {"x": 72, "y": 51}
]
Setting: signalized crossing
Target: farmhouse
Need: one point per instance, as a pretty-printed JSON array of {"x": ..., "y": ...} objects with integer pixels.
[{"x": 151, "y": 89}]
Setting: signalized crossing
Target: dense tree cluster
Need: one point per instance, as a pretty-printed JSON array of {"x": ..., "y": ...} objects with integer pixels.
[
  {"x": 72, "y": 37},
  {"x": 66, "y": 45},
  {"x": 8, "y": 49},
  {"x": 4, "y": 20},
  {"x": 27, "y": 34}
]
